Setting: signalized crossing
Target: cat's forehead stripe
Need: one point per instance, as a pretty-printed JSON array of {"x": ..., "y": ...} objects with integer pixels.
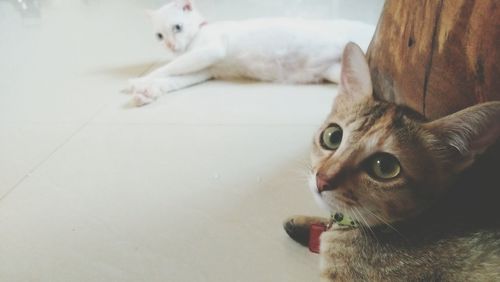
[
  {"x": 387, "y": 117},
  {"x": 371, "y": 116}
]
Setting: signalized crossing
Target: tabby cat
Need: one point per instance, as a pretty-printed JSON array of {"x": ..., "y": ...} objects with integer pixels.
[{"x": 424, "y": 194}]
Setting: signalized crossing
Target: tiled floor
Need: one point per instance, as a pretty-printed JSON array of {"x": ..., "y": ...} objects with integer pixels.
[{"x": 191, "y": 188}]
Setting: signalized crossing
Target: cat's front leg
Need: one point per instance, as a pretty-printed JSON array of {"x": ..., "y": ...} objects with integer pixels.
[
  {"x": 193, "y": 61},
  {"x": 146, "y": 90},
  {"x": 297, "y": 227},
  {"x": 340, "y": 256}
]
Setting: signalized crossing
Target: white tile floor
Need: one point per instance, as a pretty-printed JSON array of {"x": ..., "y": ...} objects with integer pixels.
[{"x": 191, "y": 188}]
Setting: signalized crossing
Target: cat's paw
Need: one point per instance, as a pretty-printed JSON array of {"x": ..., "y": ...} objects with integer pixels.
[
  {"x": 144, "y": 90},
  {"x": 142, "y": 85},
  {"x": 133, "y": 84},
  {"x": 297, "y": 227},
  {"x": 140, "y": 100}
]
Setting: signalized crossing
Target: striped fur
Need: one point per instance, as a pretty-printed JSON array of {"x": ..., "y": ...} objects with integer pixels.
[{"x": 438, "y": 219}]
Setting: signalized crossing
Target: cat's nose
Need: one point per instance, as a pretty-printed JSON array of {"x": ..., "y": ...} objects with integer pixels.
[
  {"x": 322, "y": 183},
  {"x": 170, "y": 45}
]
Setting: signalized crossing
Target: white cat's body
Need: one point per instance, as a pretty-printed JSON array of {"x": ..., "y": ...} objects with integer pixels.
[
  {"x": 282, "y": 50},
  {"x": 279, "y": 49}
]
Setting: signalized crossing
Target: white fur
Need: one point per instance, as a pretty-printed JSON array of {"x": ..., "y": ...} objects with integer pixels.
[
  {"x": 279, "y": 49},
  {"x": 311, "y": 181}
]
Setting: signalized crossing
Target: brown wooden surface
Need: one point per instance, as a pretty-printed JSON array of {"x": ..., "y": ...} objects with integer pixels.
[{"x": 437, "y": 56}]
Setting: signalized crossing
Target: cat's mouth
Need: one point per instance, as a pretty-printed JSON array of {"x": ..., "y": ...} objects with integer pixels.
[
  {"x": 174, "y": 48},
  {"x": 341, "y": 202},
  {"x": 328, "y": 199},
  {"x": 344, "y": 198}
]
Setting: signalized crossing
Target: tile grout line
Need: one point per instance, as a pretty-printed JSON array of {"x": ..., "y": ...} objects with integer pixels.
[
  {"x": 58, "y": 147},
  {"x": 69, "y": 138}
]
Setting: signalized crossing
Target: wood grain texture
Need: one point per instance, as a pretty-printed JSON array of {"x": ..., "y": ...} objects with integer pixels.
[{"x": 437, "y": 56}]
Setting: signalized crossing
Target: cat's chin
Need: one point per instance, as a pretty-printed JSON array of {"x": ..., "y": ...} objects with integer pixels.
[{"x": 177, "y": 51}]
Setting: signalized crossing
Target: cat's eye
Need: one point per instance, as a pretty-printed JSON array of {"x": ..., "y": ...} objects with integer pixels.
[
  {"x": 331, "y": 137},
  {"x": 159, "y": 36},
  {"x": 177, "y": 28},
  {"x": 383, "y": 166}
]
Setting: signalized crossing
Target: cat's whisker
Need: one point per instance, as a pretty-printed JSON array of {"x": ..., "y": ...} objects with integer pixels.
[
  {"x": 361, "y": 227},
  {"x": 381, "y": 219},
  {"x": 302, "y": 168},
  {"x": 365, "y": 223},
  {"x": 369, "y": 233},
  {"x": 300, "y": 176},
  {"x": 302, "y": 172}
]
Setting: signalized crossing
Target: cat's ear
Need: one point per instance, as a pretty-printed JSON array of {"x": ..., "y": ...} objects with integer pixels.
[
  {"x": 355, "y": 79},
  {"x": 468, "y": 132},
  {"x": 187, "y": 5}
]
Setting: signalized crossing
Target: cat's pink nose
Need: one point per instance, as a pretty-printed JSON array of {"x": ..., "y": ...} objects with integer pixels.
[
  {"x": 322, "y": 183},
  {"x": 170, "y": 45}
]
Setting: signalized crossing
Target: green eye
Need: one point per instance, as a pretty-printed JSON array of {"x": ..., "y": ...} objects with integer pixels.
[
  {"x": 331, "y": 137},
  {"x": 383, "y": 166}
]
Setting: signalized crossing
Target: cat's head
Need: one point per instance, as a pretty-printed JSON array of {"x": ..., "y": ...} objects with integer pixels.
[
  {"x": 176, "y": 24},
  {"x": 382, "y": 163}
]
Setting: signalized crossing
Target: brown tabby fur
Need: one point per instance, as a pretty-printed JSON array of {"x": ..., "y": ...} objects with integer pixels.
[{"x": 436, "y": 221}]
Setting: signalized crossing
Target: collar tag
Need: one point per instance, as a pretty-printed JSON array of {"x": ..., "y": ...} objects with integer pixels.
[
  {"x": 317, "y": 229},
  {"x": 343, "y": 220}
]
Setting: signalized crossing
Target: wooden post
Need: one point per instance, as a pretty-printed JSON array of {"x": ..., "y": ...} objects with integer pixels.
[{"x": 437, "y": 56}]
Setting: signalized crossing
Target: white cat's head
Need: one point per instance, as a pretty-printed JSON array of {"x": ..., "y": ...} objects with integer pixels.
[{"x": 176, "y": 24}]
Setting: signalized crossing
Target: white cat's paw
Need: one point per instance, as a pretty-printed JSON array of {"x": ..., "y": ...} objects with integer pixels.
[
  {"x": 145, "y": 90},
  {"x": 140, "y": 100},
  {"x": 140, "y": 84}
]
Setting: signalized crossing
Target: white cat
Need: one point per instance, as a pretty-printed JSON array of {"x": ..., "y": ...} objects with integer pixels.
[{"x": 280, "y": 49}]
